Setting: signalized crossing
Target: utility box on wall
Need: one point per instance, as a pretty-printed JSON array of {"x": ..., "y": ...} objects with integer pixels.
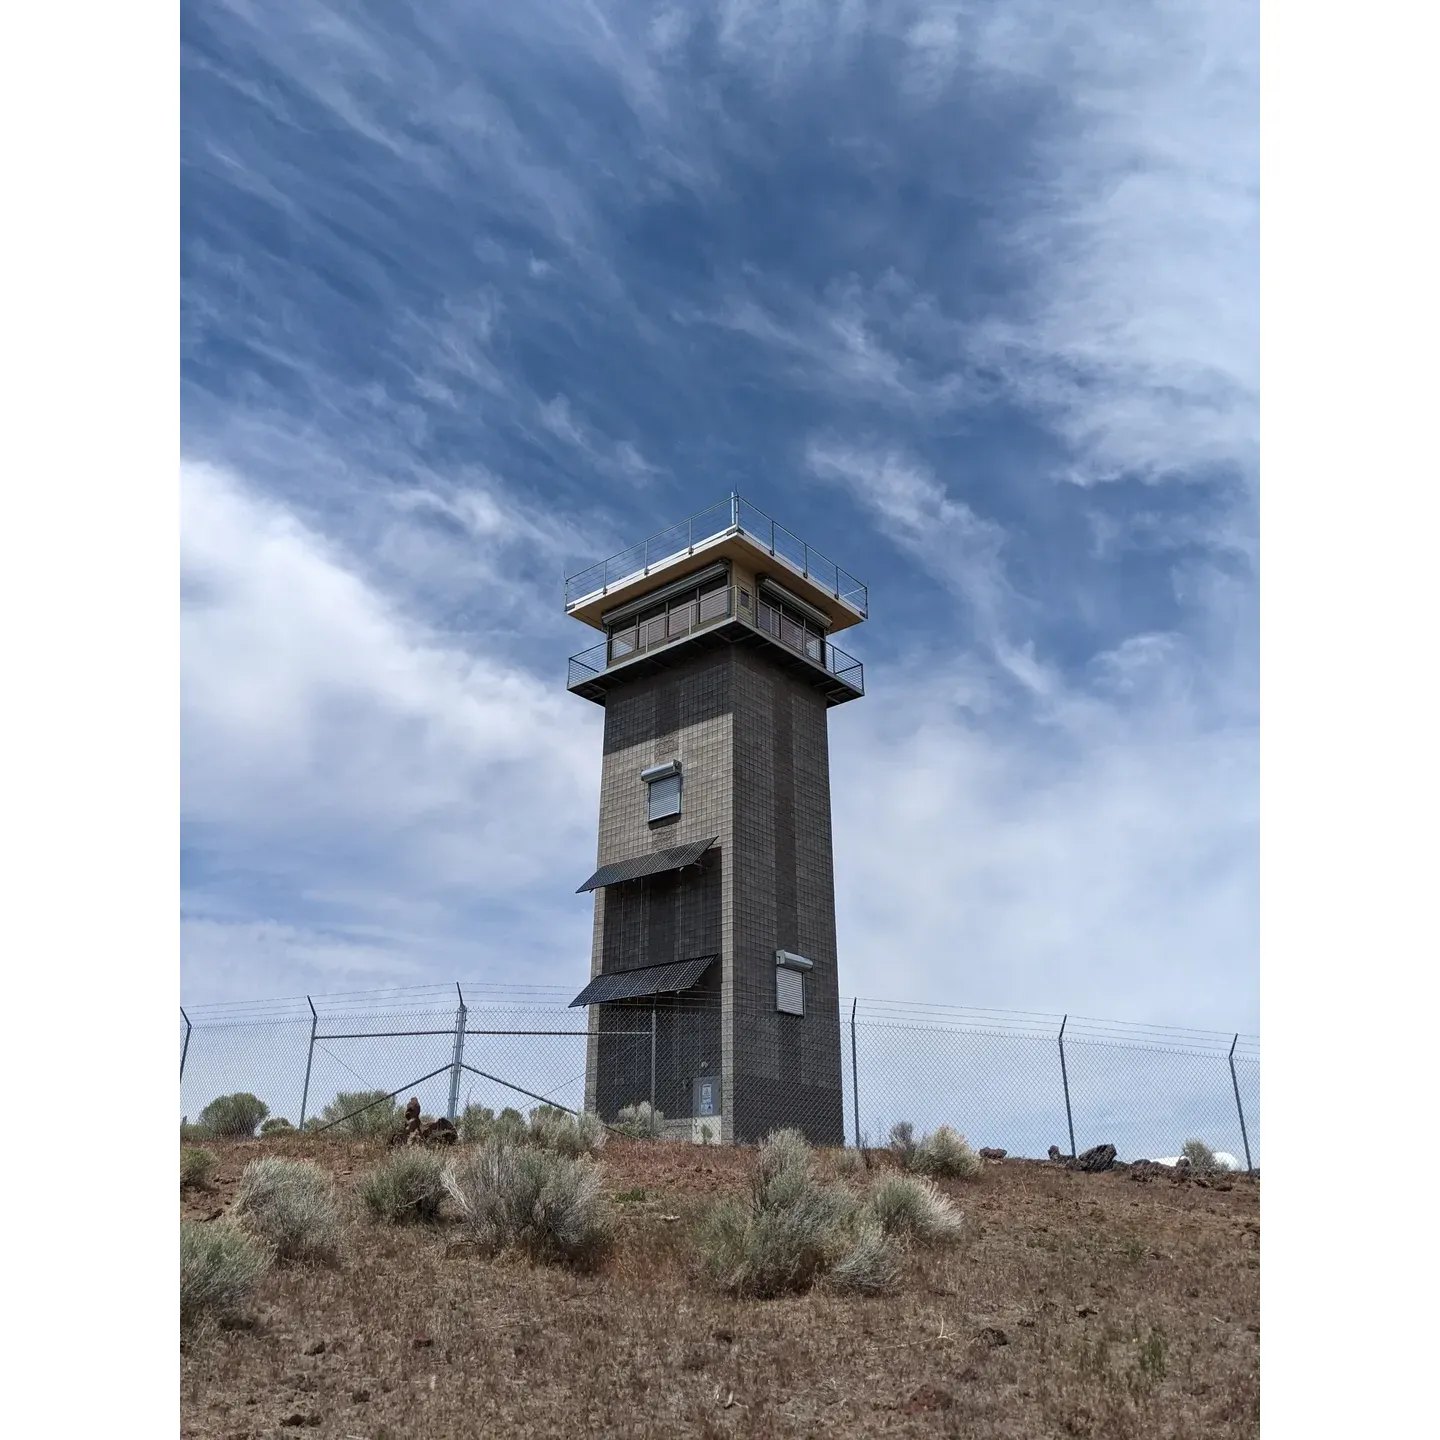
[{"x": 713, "y": 990}]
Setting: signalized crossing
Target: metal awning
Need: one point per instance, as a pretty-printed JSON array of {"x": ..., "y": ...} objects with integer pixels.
[
  {"x": 655, "y": 864},
  {"x": 668, "y": 979}
]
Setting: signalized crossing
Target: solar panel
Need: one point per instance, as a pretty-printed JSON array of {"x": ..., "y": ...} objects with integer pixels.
[
  {"x": 654, "y": 864},
  {"x": 668, "y": 979}
]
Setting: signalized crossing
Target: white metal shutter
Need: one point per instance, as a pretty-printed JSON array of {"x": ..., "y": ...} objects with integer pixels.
[
  {"x": 664, "y": 797},
  {"x": 789, "y": 991}
]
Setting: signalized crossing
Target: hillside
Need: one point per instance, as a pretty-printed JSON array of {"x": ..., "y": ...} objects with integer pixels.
[{"x": 1074, "y": 1305}]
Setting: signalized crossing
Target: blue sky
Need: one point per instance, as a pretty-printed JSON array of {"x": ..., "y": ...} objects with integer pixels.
[{"x": 963, "y": 294}]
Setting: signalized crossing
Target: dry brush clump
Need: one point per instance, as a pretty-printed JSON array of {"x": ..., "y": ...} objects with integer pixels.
[
  {"x": 234, "y": 1116},
  {"x": 291, "y": 1206},
  {"x": 359, "y": 1115},
  {"x": 793, "y": 1231},
  {"x": 640, "y": 1121},
  {"x": 406, "y": 1187},
  {"x": 914, "y": 1209},
  {"x": 943, "y": 1154},
  {"x": 220, "y": 1265},
  {"x": 566, "y": 1133},
  {"x": 548, "y": 1205},
  {"x": 195, "y": 1167}
]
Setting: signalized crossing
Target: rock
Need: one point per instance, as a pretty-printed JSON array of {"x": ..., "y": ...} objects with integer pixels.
[
  {"x": 412, "y": 1110},
  {"x": 990, "y": 1152},
  {"x": 1084, "y": 1311},
  {"x": 1147, "y": 1170},
  {"x": 992, "y": 1336},
  {"x": 927, "y": 1397},
  {"x": 297, "y": 1419},
  {"x": 1055, "y": 1153},
  {"x": 1095, "y": 1159},
  {"x": 316, "y": 1348},
  {"x": 433, "y": 1132}
]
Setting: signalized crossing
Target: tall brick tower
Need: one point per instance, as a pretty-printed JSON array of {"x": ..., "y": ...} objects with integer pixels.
[{"x": 713, "y": 988}]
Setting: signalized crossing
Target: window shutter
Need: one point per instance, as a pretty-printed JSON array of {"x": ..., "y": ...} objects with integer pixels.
[
  {"x": 664, "y": 797},
  {"x": 789, "y": 991}
]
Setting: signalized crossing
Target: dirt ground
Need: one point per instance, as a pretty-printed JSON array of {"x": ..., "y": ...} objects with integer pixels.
[{"x": 1076, "y": 1305}]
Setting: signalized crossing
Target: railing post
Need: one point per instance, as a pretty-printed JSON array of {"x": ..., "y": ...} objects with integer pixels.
[
  {"x": 1244, "y": 1135},
  {"x": 772, "y": 539},
  {"x": 690, "y": 536},
  {"x": 854, "y": 1072},
  {"x": 309, "y": 1060},
  {"x": 652, "y": 1056},
  {"x": 185, "y": 1048},
  {"x": 734, "y": 511},
  {"x": 454, "y": 1101},
  {"x": 1065, "y": 1081}
]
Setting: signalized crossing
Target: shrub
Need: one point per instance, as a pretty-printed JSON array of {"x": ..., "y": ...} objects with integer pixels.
[
  {"x": 566, "y": 1134},
  {"x": 792, "y": 1232},
  {"x": 195, "y": 1168},
  {"x": 277, "y": 1125},
  {"x": 848, "y": 1162},
  {"x": 1199, "y": 1154},
  {"x": 548, "y": 1205},
  {"x": 640, "y": 1121},
  {"x": 902, "y": 1142},
  {"x": 915, "y": 1209},
  {"x": 193, "y": 1133},
  {"x": 946, "y": 1153},
  {"x": 219, "y": 1269},
  {"x": 869, "y": 1264},
  {"x": 407, "y": 1186},
  {"x": 356, "y": 1122},
  {"x": 475, "y": 1123},
  {"x": 234, "y": 1115},
  {"x": 291, "y": 1206}
]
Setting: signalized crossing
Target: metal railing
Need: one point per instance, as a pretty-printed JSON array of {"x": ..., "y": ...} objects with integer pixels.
[
  {"x": 735, "y": 516},
  {"x": 686, "y": 617},
  {"x": 1023, "y": 1082}
]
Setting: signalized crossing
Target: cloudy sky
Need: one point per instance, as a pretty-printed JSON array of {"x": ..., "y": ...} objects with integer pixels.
[{"x": 964, "y": 294}]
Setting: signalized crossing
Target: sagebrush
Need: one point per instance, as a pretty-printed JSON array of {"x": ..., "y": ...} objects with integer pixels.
[
  {"x": 276, "y": 1125},
  {"x": 566, "y": 1133},
  {"x": 548, "y": 1205},
  {"x": 195, "y": 1168},
  {"x": 234, "y": 1116},
  {"x": 946, "y": 1154},
  {"x": 407, "y": 1186},
  {"x": 220, "y": 1267},
  {"x": 1200, "y": 1155},
  {"x": 793, "y": 1231},
  {"x": 914, "y": 1209},
  {"x": 291, "y": 1206},
  {"x": 479, "y": 1125},
  {"x": 360, "y": 1114},
  {"x": 640, "y": 1121}
]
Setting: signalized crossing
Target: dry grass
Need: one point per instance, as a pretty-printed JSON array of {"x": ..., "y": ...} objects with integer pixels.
[{"x": 1073, "y": 1306}]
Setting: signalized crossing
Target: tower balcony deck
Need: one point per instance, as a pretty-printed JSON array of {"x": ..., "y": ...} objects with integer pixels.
[
  {"x": 729, "y": 616},
  {"x": 735, "y": 530}
]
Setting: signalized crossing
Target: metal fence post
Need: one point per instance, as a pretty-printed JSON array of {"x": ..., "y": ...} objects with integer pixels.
[
  {"x": 454, "y": 1102},
  {"x": 1065, "y": 1081},
  {"x": 652, "y": 1055},
  {"x": 185, "y": 1048},
  {"x": 1244, "y": 1136},
  {"x": 734, "y": 511},
  {"x": 309, "y": 1060},
  {"x": 854, "y": 1072}
]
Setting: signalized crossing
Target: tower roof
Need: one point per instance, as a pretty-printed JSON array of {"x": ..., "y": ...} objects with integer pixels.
[{"x": 734, "y": 530}]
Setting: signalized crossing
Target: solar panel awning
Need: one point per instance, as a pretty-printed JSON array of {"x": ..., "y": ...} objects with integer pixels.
[
  {"x": 654, "y": 864},
  {"x": 668, "y": 979}
]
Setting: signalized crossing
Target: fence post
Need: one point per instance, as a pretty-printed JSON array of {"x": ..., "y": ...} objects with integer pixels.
[
  {"x": 309, "y": 1060},
  {"x": 1244, "y": 1136},
  {"x": 1065, "y": 1081},
  {"x": 854, "y": 1071},
  {"x": 734, "y": 511},
  {"x": 454, "y": 1102},
  {"x": 185, "y": 1048},
  {"x": 652, "y": 1053}
]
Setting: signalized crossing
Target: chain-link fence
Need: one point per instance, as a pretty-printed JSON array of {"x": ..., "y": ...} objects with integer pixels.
[{"x": 1022, "y": 1082}]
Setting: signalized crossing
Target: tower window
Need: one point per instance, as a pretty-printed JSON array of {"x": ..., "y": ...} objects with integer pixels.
[
  {"x": 662, "y": 785},
  {"x": 790, "y": 982}
]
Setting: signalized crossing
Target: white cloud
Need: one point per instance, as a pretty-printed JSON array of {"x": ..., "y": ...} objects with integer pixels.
[{"x": 333, "y": 744}]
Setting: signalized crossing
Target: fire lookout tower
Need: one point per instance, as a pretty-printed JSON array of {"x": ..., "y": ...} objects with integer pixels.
[{"x": 713, "y": 989}]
